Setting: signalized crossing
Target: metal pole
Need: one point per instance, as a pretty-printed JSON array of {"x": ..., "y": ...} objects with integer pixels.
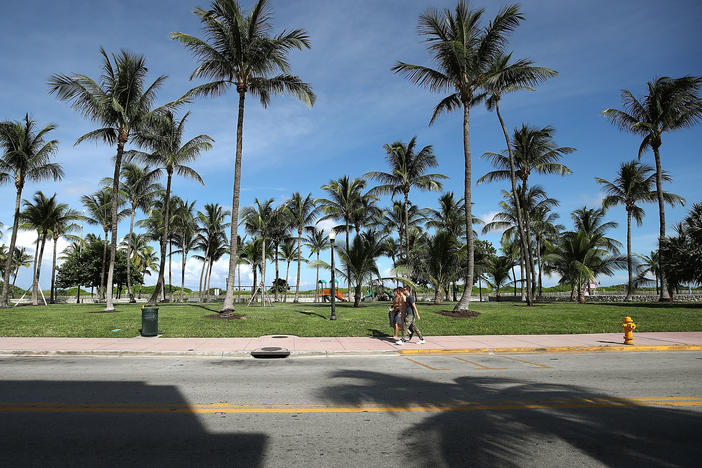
[{"x": 332, "y": 291}]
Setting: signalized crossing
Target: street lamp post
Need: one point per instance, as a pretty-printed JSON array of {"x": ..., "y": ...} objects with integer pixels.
[{"x": 332, "y": 292}]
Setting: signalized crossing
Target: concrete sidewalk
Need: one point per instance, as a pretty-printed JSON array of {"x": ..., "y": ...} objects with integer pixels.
[{"x": 240, "y": 347}]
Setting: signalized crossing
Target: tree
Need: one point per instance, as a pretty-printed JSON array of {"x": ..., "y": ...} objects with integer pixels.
[
  {"x": 634, "y": 184},
  {"x": 344, "y": 197},
  {"x": 510, "y": 77},
  {"x": 498, "y": 269},
  {"x": 121, "y": 103},
  {"x": 288, "y": 253},
  {"x": 671, "y": 104},
  {"x": 139, "y": 190},
  {"x": 590, "y": 221},
  {"x": 407, "y": 169},
  {"x": 316, "y": 241},
  {"x": 438, "y": 260},
  {"x": 212, "y": 236},
  {"x": 164, "y": 137},
  {"x": 464, "y": 52},
  {"x": 360, "y": 260},
  {"x": 303, "y": 212},
  {"x": 239, "y": 51},
  {"x": 185, "y": 237},
  {"x": 681, "y": 255},
  {"x": 26, "y": 156},
  {"x": 533, "y": 150},
  {"x": 61, "y": 225},
  {"x": 257, "y": 220},
  {"x": 279, "y": 232},
  {"x": 20, "y": 259}
]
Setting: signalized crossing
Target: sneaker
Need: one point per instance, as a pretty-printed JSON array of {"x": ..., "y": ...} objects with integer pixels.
[
  {"x": 399, "y": 342},
  {"x": 421, "y": 341}
]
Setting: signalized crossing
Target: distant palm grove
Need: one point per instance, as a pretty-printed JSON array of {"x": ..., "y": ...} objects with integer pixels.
[{"x": 469, "y": 64}]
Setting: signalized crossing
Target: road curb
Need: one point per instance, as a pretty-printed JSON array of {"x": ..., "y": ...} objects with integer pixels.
[{"x": 552, "y": 349}]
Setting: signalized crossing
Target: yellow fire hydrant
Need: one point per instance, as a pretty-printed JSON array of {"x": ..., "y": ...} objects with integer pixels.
[{"x": 629, "y": 327}]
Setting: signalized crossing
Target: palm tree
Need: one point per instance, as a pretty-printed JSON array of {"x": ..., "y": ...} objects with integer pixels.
[
  {"x": 239, "y": 51},
  {"x": 360, "y": 260},
  {"x": 26, "y": 156},
  {"x": 648, "y": 263},
  {"x": 448, "y": 217},
  {"x": 303, "y": 213},
  {"x": 211, "y": 233},
  {"x": 590, "y": 221},
  {"x": 39, "y": 215},
  {"x": 185, "y": 231},
  {"x": 140, "y": 191},
  {"x": 344, "y": 197},
  {"x": 62, "y": 224},
  {"x": 164, "y": 137},
  {"x": 366, "y": 214},
  {"x": 464, "y": 52},
  {"x": 439, "y": 261},
  {"x": 121, "y": 103},
  {"x": 20, "y": 259},
  {"x": 407, "y": 169},
  {"x": 533, "y": 150},
  {"x": 671, "y": 104},
  {"x": 288, "y": 253},
  {"x": 546, "y": 231},
  {"x": 498, "y": 268},
  {"x": 393, "y": 220},
  {"x": 316, "y": 241},
  {"x": 634, "y": 184},
  {"x": 145, "y": 260},
  {"x": 279, "y": 229},
  {"x": 257, "y": 220},
  {"x": 510, "y": 78}
]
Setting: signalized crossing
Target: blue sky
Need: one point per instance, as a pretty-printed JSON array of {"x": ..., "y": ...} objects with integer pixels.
[{"x": 598, "y": 48}]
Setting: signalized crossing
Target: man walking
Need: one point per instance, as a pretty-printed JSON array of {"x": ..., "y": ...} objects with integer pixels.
[{"x": 411, "y": 317}]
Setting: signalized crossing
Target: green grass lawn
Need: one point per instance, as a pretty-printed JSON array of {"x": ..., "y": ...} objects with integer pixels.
[{"x": 308, "y": 319}]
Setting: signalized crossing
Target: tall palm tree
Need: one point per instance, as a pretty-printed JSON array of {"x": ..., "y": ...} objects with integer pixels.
[
  {"x": 360, "y": 260},
  {"x": 39, "y": 215},
  {"x": 590, "y": 221},
  {"x": 62, "y": 224},
  {"x": 316, "y": 241},
  {"x": 393, "y": 220},
  {"x": 139, "y": 190},
  {"x": 498, "y": 270},
  {"x": 279, "y": 232},
  {"x": 671, "y": 104},
  {"x": 239, "y": 51},
  {"x": 448, "y": 217},
  {"x": 212, "y": 234},
  {"x": 545, "y": 229},
  {"x": 146, "y": 260},
  {"x": 164, "y": 138},
  {"x": 185, "y": 231},
  {"x": 634, "y": 184},
  {"x": 121, "y": 103},
  {"x": 303, "y": 213},
  {"x": 533, "y": 150},
  {"x": 464, "y": 52},
  {"x": 257, "y": 220},
  {"x": 510, "y": 77},
  {"x": 26, "y": 155},
  {"x": 344, "y": 198},
  {"x": 439, "y": 261},
  {"x": 407, "y": 169},
  {"x": 366, "y": 214},
  {"x": 288, "y": 253}
]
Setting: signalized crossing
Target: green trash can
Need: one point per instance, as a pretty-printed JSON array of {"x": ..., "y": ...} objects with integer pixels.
[{"x": 149, "y": 321}]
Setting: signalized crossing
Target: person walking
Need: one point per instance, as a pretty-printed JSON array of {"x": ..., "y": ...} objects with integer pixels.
[
  {"x": 398, "y": 305},
  {"x": 411, "y": 318}
]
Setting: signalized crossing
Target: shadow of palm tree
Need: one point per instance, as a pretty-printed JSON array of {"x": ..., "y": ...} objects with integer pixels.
[
  {"x": 308, "y": 313},
  {"x": 487, "y": 428}
]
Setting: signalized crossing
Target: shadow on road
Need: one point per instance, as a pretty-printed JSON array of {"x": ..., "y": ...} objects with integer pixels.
[
  {"x": 614, "y": 436},
  {"x": 112, "y": 424}
]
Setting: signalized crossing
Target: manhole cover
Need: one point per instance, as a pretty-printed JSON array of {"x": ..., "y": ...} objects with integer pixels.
[{"x": 270, "y": 352}]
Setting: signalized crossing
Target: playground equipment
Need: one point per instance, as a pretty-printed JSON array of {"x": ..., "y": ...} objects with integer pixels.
[{"x": 325, "y": 294}]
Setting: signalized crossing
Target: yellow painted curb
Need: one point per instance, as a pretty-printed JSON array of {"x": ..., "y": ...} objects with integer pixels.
[{"x": 553, "y": 349}]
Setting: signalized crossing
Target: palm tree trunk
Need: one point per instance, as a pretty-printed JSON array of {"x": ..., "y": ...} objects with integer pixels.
[
  {"x": 316, "y": 283},
  {"x": 123, "y": 137},
  {"x": 664, "y": 296},
  {"x": 228, "y": 305},
  {"x": 34, "y": 270},
  {"x": 348, "y": 269},
  {"x": 170, "y": 269},
  {"x": 299, "y": 263},
  {"x": 13, "y": 240},
  {"x": 153, "y": 300},
  {"x": 209, "y": 278},
  {"x": 287, "y": 271},
  {"x": 184, "y": 259},
  {"x": 515, "y": 195},
  {"x": 202, "y": 272},
  {"x": 263, "y": 272},
  {"x": 53, "y": 273},
  {"x": 101, "y": 290},
  {"x": 129, "y": 255},
  {"x": 529, "y": 259},
  {"x": 35, "y": 298},
  {"x": 238, "y": 293},
  {"x": 437, "y": 295},
  {"x": 206, "y": 294},
  {"x": 538, "y": 261},
  {"x": 514, "y": 278},
  {"x": 464, "y": 303},
  {"x": 406, "y": 226},
  {"x": 277, "y": 275},
  {"x": 522, "y": 275}
]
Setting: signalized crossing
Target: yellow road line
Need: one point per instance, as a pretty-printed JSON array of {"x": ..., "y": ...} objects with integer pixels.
[
  {"x": 567, "y": 403},
  {"x": 480, "y": 365},
  {"x": 424, "y": 365},
  {"x": 526, "y": 362}
]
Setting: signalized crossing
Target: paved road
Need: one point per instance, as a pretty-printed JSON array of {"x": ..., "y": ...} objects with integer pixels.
[{"x": 616, "y": 409}]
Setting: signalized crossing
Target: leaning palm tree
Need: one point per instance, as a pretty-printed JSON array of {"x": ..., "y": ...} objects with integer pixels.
[
  {"x": 634, "y": 184},
  {"x": 39, "y": 215},
  {"x": 139, "y": 190},
  {"x": 407, "y": 169},
  {"x": 121, "y": 104},
  {"x": 464, "y": 52},
  {"x": 510, "y": 77},
  {"x": 344, "y": 198},
  {"x": 239, "y": 51},
  {"x": 671, "y": 104},
  {"x": 303, "y": 212},
  {"x": 316, "y": 241},
  {"x": 164, "y": 138},
  {"x": 26, "y": 155}
]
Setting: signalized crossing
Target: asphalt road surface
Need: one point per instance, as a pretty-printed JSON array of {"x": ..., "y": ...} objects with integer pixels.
[{"x": 541, "y": 410}]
